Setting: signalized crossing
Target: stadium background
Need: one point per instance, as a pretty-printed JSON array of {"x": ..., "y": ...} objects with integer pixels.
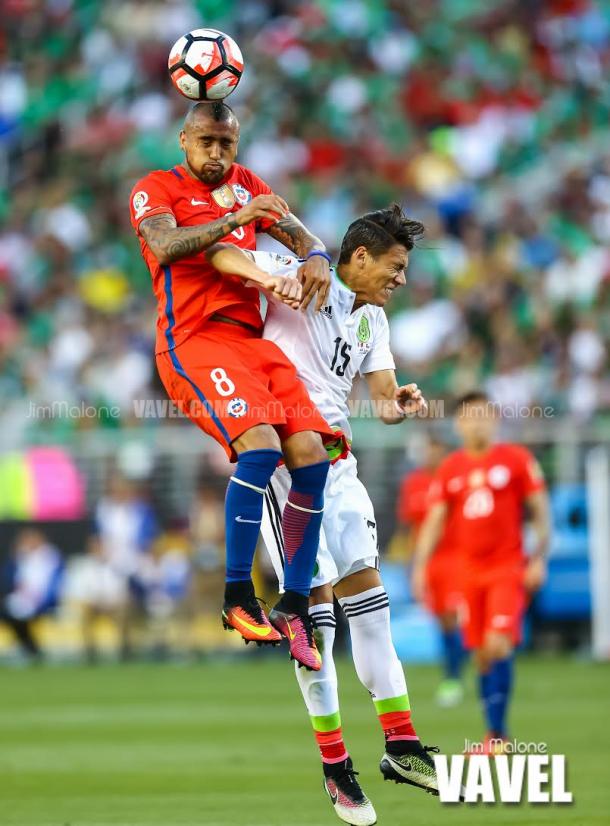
[{"x": 489, "y": 122}]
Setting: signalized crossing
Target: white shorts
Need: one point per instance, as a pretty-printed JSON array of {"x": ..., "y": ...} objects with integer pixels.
[{"x": 348, "y": 539}]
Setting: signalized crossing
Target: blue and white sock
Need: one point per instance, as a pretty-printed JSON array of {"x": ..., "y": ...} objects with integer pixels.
[{"x": 244, "y": 509}]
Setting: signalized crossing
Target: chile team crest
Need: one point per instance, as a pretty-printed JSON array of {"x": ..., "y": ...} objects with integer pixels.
[
  {"x": 242, "y": 195},
  {"x": 237, "y": 407}
]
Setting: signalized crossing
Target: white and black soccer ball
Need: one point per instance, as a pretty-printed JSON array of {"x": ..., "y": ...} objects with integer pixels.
[{"x": 205, "y": 64}]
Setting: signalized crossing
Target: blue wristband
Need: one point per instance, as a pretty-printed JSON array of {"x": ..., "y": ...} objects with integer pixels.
[{"x": 322, "y": 253}]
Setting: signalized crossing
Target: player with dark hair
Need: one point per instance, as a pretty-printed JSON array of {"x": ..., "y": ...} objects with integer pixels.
[
  {"x": 442, "y": 593},
  {"x": 349, "y": 337},
  {"x": 237, "y": 387},
  {"x": 483, "y": 490}
]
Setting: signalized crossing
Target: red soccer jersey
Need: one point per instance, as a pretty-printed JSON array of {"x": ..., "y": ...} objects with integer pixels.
[
  {"x": 189, "y": 291},
  {"x": 414, "y": 503},
  {"x": 485, "y": 496}
]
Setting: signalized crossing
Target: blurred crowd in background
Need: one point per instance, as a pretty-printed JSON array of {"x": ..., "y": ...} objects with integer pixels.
[{"x": 488, "y": 121}]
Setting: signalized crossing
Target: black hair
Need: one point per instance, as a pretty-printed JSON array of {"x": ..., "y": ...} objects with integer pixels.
[
  {"x": 215, "y": 109},
  {"x": 380, "y": 230},
  {"x": 472, "y": 397}
]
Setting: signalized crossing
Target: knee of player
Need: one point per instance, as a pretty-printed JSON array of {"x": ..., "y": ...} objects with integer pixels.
[
  {"x": 302, "y": 449},
  {"x": 497, "y": 647},
  {"x": 259, "y": 437}
]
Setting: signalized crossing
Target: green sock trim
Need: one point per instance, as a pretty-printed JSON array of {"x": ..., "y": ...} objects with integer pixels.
[
  {"x": 393, "y": 704},
  {"x": 329, "y": 722}
]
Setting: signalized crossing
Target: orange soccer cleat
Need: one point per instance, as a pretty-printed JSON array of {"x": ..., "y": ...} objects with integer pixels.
[{"x": 251, "y": 622}]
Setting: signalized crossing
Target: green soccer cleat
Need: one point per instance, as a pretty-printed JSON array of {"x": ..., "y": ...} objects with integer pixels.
[{"x": 415, "y": 767}]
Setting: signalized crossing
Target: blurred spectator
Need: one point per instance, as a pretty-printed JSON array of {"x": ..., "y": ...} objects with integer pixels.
[
  {"x": 31, "y": 586},
  {"x": 98, "y": 590},
  {"x": 206, "y": 524},
  {"x": 127, "y": 527}
]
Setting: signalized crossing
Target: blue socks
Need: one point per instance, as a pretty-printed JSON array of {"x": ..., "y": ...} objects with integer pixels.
[
  {"x": 495, "y": 689},
  {"x": 453, "y": 651},
  {"x": 244, "y": 509},
  {"x": 301, "y": 523}
]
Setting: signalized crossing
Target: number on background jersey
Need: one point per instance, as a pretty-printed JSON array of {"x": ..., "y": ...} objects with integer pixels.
[
  {"x": 480, "y": 503},
  {"x": 223, "y": 384},
  {"x": 341, "y": 367}
]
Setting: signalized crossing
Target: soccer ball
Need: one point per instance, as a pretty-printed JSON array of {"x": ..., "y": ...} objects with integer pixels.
[{"x": 205, "y": 64}]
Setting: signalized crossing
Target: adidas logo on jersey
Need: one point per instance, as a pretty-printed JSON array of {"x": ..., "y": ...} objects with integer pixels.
[{"x": 327, "y": 311}]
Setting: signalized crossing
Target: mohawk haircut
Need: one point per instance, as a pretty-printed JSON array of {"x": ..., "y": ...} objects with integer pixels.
[
  {"x": 215, "y": 109},
  {"x": 379, "y": 231}
]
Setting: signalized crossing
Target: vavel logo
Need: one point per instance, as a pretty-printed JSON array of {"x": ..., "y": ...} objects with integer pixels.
[{"x": 519, "y": 774}]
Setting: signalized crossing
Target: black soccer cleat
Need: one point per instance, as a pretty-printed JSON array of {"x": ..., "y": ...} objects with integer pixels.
[{"x": 349, "y": 801}]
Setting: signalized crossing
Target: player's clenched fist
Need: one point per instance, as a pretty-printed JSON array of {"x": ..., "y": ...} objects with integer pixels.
[
  {"x": 410, "y": 401},
  {"x": 287, "y": 290},
  {"x": 263, "y": 206}
]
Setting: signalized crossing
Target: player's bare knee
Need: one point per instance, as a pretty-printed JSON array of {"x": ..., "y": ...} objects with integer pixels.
[
  {"x": 302, "y": 449},
  {"x": 449, "y": 621},
  {"x": 259, "y": 437},
  {"x": 497, "y": 647},
  {"x": 320, "y": 595},
  {"x": 358, "y": 582},
  {"x": 482, "y": 660}
]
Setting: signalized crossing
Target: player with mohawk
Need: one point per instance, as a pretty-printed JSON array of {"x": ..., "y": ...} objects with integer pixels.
[{"x": 236, "y": 386}]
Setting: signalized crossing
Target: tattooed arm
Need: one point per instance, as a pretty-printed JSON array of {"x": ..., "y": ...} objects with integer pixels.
[
  {"x": 314, "y": 274},
  {"x": 290, "y": 232},
  {"x": 169, "y": 242}
]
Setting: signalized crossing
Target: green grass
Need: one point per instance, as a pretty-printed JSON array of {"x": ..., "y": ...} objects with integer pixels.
[{"x": 229, "y": 745}]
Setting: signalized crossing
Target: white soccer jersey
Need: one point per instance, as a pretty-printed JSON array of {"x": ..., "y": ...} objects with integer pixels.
[{"x": 331, "y": 347}]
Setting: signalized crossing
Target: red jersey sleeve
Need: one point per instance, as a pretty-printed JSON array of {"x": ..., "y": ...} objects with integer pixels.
[
  {"x": 258, "y": 187},
  {"x": 532, "y": 478},
  {"x": 149, "y": 197}
]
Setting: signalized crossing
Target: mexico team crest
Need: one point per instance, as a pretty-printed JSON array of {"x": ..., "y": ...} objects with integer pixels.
[
  {"x": 242, "y": 195},
  {"x": 224, "y": 196},
  {"x": 364, "y": 330}
]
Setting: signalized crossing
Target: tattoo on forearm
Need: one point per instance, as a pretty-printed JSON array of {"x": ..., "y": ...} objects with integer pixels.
[
  {"x": 291, "y": 232},
  {"x": 169, "y": 242}
]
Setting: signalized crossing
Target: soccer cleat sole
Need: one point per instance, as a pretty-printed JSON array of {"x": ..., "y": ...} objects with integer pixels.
[{"x": 389, "y": 773}]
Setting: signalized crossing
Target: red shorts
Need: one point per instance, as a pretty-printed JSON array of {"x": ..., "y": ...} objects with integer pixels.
[
  {"x": 443, "y": 595},
  {"x": 226, "y": 380},
  {"x": 494, "y": 601}
]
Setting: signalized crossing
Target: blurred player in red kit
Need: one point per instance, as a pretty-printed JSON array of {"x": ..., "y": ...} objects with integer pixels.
[
  {"x": 441, "y": 591},
  {"x": 485, "y": 490},
  {"x": 236, "y": 386}
]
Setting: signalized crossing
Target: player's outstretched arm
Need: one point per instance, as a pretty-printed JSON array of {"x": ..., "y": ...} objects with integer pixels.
[
  {"x": 231, "y": 260},
  {"x": 169, "y": 242},
  {"x": 314, "y": 274},
  {"x": 428, "y": 538},
  {"x": 395, "y": 403}
]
